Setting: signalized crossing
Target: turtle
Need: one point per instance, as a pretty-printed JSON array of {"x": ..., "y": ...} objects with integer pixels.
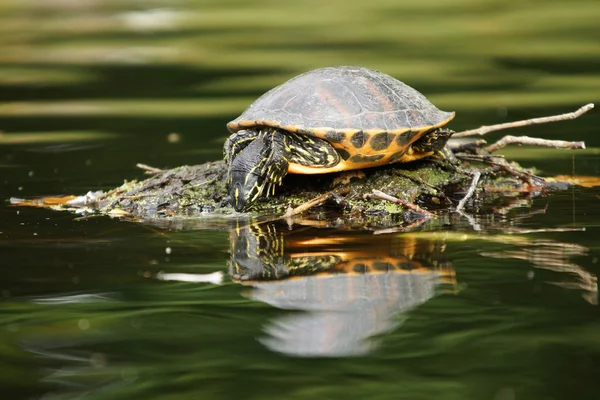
[{"x": 329, "y": 120}]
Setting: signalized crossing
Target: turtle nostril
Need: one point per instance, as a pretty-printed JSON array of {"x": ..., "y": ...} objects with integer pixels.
[{"x": 236, "y": 196}]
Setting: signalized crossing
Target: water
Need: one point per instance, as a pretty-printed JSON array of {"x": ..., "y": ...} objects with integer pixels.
[{"x": 88, "y": 89}]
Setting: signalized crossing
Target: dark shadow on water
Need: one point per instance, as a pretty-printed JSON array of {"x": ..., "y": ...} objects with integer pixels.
[
  {"x": 133, "y": 82},
  {"x": 561, "y": 66}
]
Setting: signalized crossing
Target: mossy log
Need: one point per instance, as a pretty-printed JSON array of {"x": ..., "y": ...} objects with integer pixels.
[{"x": 201, "y": 190}]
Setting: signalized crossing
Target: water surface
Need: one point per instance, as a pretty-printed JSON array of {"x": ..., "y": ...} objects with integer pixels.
[{"x": 89, "y": 89}]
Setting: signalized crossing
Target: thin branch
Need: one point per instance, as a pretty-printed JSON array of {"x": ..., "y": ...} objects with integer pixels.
[
  {"x": 484, "y": 158},
  {"x": 531, "y": 180},
  {"x": 378, "y": 194},
  {"x": 463, "y": 201},
  {"x": 554, "y": 118},
  {"x": 458, "y": 147},
  {"x": 526, "y": 140},
  {"x": 500, "y": 162},
  {"x": 202, "y": 183},
  {"x": 149, "y": 169},
  {"x": 314, "y": 202}
]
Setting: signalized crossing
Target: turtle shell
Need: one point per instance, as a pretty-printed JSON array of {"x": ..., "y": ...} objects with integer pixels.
[
  {"x": 368, "y": 116},
  {"x": 328, "y": 101}
]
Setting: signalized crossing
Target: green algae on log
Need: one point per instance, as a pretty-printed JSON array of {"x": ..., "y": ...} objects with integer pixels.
[{"x": 202, "y": 189}]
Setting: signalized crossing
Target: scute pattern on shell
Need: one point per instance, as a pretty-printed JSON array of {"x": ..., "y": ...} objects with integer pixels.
[{"x": 342, "y": 99}]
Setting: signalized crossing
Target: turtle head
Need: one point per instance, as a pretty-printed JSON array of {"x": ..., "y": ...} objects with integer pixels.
[
  {"x": 245, "y": 188},
  {"x": 255, "y": 172}
]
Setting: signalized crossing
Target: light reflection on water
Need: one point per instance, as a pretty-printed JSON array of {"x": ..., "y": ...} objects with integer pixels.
[{"x": 350, "y": 288}]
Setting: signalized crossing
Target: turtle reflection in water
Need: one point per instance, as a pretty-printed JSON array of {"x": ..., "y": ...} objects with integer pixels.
[
  {"x": 329, "y": 120},
  {"x": 351, "y": 286}
]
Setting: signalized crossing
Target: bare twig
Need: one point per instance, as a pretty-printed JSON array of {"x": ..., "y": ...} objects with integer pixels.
[
  {"x": 202, "y": 183},
  {"x": 378, "y": 194},
  {"x": 457, "y": 146},
  {"x": 489, "y": 159},
  {"x": 314, "y": 202},
  {"x": 149, "y": 169},
  {"x": 463, "y": 201},
  {"x": 42, "y": 201},
  {"x": 139, "y": 196},
  {"x": 533, "y": 181},
  {"x": 526, "y": 140},
  {"x": 501, "y": 163},
  {"x": 554, "y": 118}
]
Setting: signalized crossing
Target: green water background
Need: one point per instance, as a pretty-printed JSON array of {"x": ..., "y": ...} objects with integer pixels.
[{"x": 90, "y": 88}]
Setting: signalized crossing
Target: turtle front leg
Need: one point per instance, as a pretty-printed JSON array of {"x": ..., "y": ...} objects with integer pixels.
[{"x": 257, "y": 169}]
